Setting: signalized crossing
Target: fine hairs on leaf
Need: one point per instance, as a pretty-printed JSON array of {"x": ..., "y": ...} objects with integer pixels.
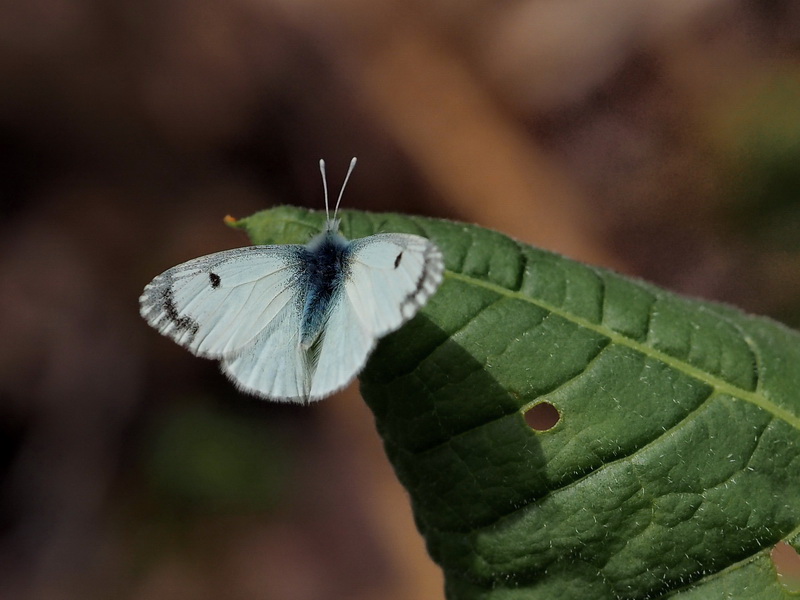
[{"x": 671, "y": 464}]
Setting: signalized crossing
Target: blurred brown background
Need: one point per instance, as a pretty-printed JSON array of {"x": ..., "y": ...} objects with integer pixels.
[{"x": 661, "y": 138}]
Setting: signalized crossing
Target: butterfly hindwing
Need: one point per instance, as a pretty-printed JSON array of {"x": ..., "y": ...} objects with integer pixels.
[
  {"x": 343, "y": 349},
  {"x": 274, "y": 365}
]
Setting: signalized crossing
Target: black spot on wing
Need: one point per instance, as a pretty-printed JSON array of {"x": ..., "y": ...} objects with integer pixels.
[
  {"x": 420, "y": 284},
  {"x": 427, "y": 281},
  {"x": 215, "y": 280},
  {"x": 397, "y": 260},
  {"x": 181, "y": 322}
]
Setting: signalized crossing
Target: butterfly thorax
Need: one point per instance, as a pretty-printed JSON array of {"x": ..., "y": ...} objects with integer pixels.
[{"x": 326, "y": 260}]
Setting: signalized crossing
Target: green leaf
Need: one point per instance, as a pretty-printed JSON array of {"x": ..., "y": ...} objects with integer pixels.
[{"x": 674, "y": 466}]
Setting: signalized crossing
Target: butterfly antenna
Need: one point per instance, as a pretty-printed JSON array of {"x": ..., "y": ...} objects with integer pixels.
[
  {"x": 341, "y": 192},
  {"x": 325, "y": 188}
]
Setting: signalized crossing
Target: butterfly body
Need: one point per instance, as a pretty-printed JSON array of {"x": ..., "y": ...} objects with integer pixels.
[{"x": 326, "y": 259}]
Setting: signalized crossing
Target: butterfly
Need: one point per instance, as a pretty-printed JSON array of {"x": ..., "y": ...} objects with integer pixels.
[{"x": 295, "y": 323}]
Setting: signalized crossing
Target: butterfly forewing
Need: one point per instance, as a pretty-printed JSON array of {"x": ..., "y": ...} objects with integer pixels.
[
  {"x": 394, "y": 273},
  {"x": 217, "y": 305}
]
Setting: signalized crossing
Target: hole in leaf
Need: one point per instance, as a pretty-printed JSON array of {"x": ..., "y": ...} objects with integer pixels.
[
  {"x": 542, "y": 416},
  {"x": 787, "y": 564}
]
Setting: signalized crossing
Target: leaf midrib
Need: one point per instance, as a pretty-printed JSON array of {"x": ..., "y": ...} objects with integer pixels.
[{"x": 720, "y": 385}]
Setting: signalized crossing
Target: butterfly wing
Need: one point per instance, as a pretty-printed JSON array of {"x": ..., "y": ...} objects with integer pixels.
[
  {"x": 274, "y": 365},
  {"x": 245, "y": 307},
  {"x": 217, "y": 305},
  {"x": 390, "y": 277},
  {"x": 242, "y": 306}
]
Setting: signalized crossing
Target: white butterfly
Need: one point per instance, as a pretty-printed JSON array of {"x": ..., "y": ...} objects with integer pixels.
[{"x": 295, "y": 323}]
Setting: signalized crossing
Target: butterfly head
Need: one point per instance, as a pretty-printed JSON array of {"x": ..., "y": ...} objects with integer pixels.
[
  {"x": 332, "y": 225},
  {"x": 331, "y": 222}
]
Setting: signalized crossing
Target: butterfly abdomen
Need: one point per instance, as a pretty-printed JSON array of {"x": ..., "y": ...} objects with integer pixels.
[{"x": 326, "y": 270}]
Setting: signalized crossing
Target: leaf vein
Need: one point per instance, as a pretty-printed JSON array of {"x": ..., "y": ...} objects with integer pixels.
[{"x": 722, "y": 386}]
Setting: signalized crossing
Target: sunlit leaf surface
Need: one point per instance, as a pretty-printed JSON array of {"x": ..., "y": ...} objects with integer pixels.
[{"x": 673, "y": 468}]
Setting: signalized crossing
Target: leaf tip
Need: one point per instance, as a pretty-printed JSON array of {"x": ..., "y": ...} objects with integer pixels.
[{"x": 232, "y": 222}]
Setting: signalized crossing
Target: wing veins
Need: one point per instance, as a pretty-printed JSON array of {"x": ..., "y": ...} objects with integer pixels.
[{"x": 234, "y": 318}]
